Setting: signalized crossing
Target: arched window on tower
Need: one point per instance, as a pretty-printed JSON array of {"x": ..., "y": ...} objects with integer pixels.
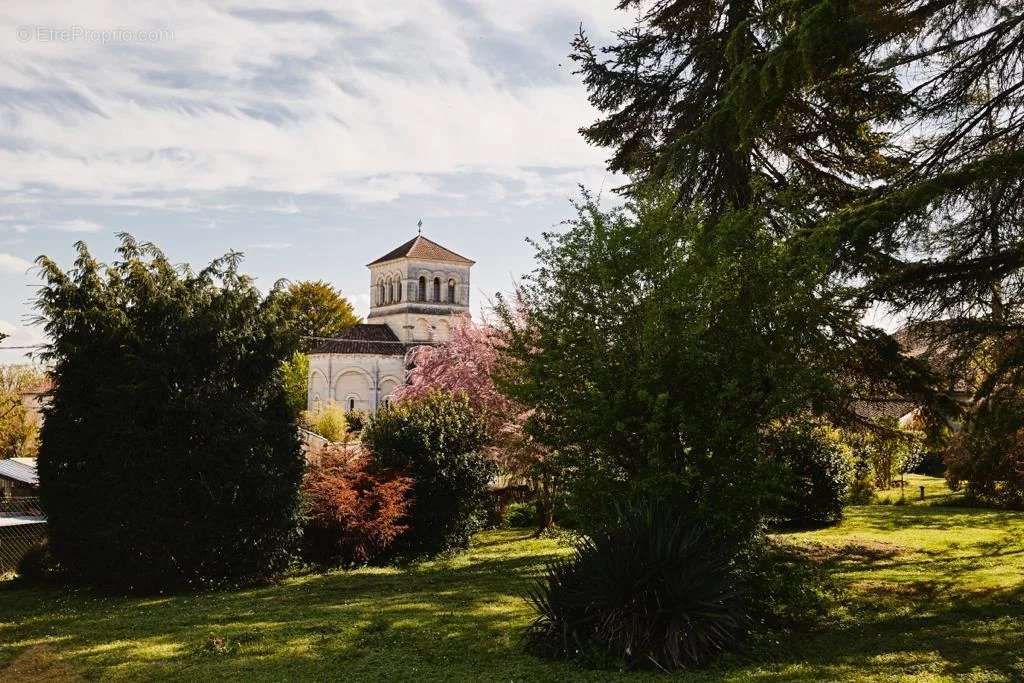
[
  {"x": 422, "y": 294},
  {"x": 391, "y": 292},
  {"x": 451, "y": 291},
  {"x": 398, "y": 290},
  {"x": 380, "y": 294},
  {"x": 437, "y": 289}
]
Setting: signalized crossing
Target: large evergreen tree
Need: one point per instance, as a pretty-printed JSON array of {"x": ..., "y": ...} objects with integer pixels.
[
  {"x": 885, "y": 134},
  {"x": 169, "y": 458},
  {"x": 744, "y": 102}
]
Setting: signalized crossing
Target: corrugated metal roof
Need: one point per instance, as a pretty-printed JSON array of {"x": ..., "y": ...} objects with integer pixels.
[{"x": 19, "y": 469}]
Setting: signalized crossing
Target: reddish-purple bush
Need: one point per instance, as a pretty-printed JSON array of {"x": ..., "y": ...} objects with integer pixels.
[{"x": 352, "y": 511}]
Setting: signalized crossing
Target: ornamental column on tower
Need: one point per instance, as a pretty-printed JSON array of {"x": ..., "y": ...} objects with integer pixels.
[{"x": 417, "y": 288}]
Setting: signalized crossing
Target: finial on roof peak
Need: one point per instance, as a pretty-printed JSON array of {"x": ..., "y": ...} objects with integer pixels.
[{"x": 419, "y": 227}]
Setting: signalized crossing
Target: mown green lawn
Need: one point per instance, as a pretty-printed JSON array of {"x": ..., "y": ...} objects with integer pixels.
[{"x": 929, "y": 593}]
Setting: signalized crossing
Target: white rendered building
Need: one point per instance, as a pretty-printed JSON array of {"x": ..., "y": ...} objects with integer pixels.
[{"x": 416, "y": 291}]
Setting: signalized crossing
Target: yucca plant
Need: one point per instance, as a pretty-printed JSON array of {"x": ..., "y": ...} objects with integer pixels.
[{"x": 652, "y": 588}]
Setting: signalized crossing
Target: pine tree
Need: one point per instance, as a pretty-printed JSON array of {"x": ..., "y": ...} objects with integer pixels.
[
  {"x": 885, "y": 134},
  {"x": 743, "y": 103}
]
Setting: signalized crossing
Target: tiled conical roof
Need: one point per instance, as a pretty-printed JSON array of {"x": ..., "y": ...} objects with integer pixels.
[{"x": 420, "y": 247}]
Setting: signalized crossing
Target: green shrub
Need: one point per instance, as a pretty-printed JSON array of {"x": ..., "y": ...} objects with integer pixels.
[
  {"x": 356, "y": 420},
  {"x": 862, "y": 490},
  {"x": 437, "y": 440},
  {"x": 932, "y": 464},
  {"x": 521, "y": 516},
  {"x": 986, "y": 458},
  {"x": 889, "y": 450},
  {"x": 169, "y": 457},
  {"x": 329, "y": 422},
  {"x": 652, "y": 588},
  {"x": 785, "y": 588},
  {"x": 37, "y": 565},
  {"x": 810, "y": 474},
  {"x": 295, "y": 376}
]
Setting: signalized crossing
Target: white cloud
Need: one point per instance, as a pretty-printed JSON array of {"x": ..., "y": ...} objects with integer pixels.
[
  {"x": 26, "y": 337},
  {"x": 360, "y": 302},
  {"x": 288, "y": 208},
  {"x": 10, "y": 263},
  {"x": 271, "y": 246},
  {"x": 77, "y": 225},
  {"x": 365, "y": 103}
]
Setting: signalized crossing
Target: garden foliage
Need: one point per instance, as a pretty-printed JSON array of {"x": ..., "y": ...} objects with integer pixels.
[
  {"x": 295, "y": 372},
  {"x": 317, "y": 309},
  {"x": 653, "y": 588},
  {"x": 169, "y": 458},
  {"x": 886, "y": 451},
  {"x": 329, "y": 421},
  {"x": 809, "y": 471},
  {"x": 351, "y": 512},
  {"x": 19, "y": 426},
  {"x": 656, "y": 346},
  {"x": 469, "y": 364},
  {"x": 887, "y": 134},
  {"x": 986, "y": 457},
  {"x": 356, "y": 419},
  {"x": 437, "y": 440}
]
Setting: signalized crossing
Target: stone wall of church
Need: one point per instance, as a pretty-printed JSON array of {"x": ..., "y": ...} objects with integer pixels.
[
  {"x": 396, "y": 300},
  {"x": 355, "y": 381}
]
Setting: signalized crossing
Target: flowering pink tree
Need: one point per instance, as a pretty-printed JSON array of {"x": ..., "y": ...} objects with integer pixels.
[
  {"x": 468, "y": 364},
  {"x": 465, "y": 364}
]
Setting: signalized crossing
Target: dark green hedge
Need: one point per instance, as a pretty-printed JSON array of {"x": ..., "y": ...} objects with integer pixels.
[{"x": 169, "y": 458}]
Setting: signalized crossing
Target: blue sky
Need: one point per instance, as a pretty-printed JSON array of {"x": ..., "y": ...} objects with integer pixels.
[{"x": 310, "y": 136}]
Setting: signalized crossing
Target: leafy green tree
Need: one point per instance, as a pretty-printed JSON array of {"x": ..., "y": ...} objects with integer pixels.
[
  {"x": 169, "y": 457},
  {"x": 317, "y": 309},
  {"x": 889, "y": 451},
  {"x": 654, "y": 346},
  {"x": 812, "y": 470},
  {"x": 295, "y": 374},
  {"x": 19, "y": 427},
  {"x": 438, "y": 440}
]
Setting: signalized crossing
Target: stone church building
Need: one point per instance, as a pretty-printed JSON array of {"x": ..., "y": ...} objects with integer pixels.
[{"x": 416, "y": 291}]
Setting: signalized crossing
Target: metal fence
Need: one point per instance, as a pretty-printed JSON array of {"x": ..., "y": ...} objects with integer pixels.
[{"x": 22, "y": 528}]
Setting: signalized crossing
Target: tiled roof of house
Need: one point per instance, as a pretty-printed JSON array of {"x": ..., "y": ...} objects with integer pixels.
[
  {"x": 364, "y": 338},
  {"x": 20, "y": 469},
  {"x": 873, "y": 409},
  {"x": 420, "y": 247},
  {"x": 930, "y": 342}
]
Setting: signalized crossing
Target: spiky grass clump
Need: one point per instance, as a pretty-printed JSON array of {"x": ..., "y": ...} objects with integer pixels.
[{"x": 653, "y": 588}]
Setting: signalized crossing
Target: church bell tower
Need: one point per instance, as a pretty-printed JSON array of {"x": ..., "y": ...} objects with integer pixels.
[{"x": 418, "y": 290}]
